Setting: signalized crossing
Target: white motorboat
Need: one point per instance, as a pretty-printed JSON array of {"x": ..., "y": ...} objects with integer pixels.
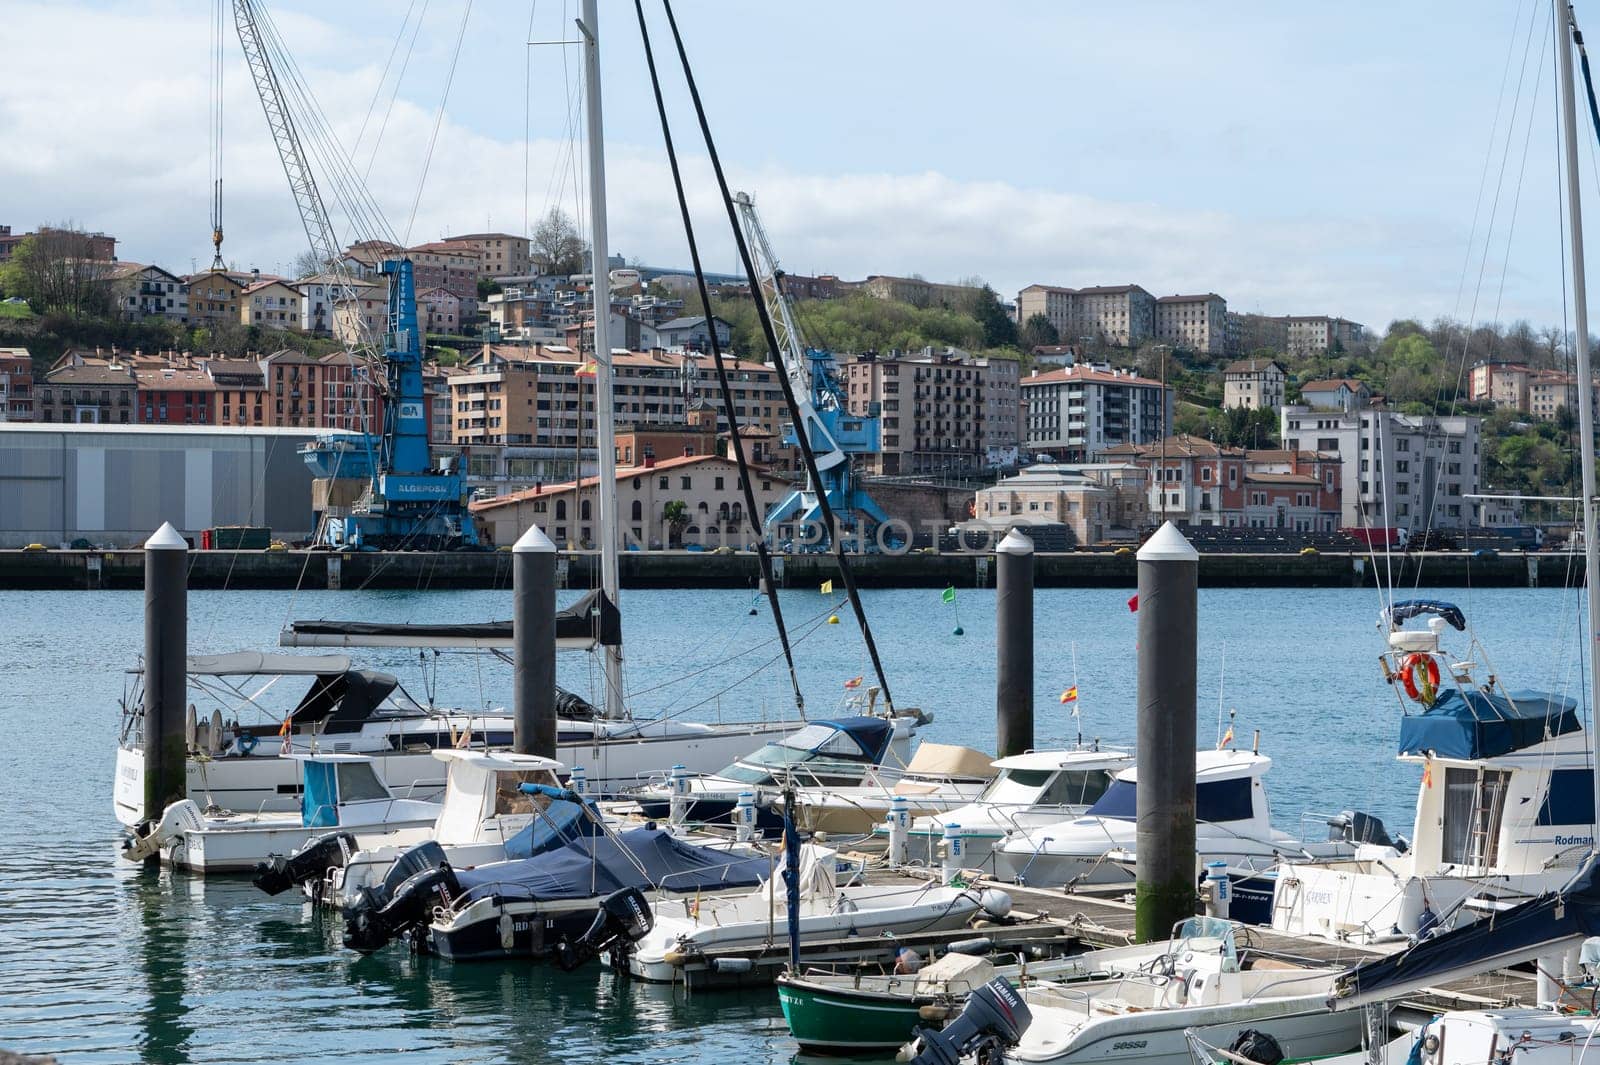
[
  {"x": 484, "y": 816},
  {"x": 340, "y": 793},
  {"x": 1505, "y": 809},
  {"x": 939, "y": 778},
  {"x": 1029, "y": 791},
  {"x": 686, "y": 928},
  {"x": 1202, "y": 979},
  {"x": 1232, "y": 823},
  {"x": 1474, "y": 1037}
]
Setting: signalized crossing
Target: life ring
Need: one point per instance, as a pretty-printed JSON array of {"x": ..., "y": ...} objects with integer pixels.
[
  {"x": 246, "y": 742},
  {"x": 1428, "y": 690}
]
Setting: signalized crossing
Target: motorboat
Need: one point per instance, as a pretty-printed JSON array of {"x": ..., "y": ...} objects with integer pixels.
[
  {"x": 837, "y": 752},
  {"x": 1232, "y": 824},
  {"x": 484, "y": 817},
  {"x": 939, "y": 778},
  {"x": 1028, "y": 791},
  {"x": 1475, "y": 1037},
  {"x": 755, "y": 920},
  {"x": 1505, "y": 807},
  {"x": 531, "y": 906},
  {"x": 339, "y": 793},
  {"x": 1201, "y": 979}
]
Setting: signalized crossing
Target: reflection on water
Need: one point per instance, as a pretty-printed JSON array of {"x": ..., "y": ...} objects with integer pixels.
[{"x": 104, "y": 962}]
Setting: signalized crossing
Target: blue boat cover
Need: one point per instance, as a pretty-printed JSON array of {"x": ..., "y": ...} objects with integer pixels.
[
  {"x": 1410, "y": 608},
  {"x": 562, "y": 822},
  {"x": 1516, "y": 934},
  {"x": 1478, "y": 725},
  {"x": 596, "y": 866},
  {"x": 871, "y": 733}
]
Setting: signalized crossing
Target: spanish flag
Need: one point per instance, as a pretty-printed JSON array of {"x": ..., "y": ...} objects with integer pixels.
[
  {"x": 1070, "y": 695},
  {"x": 827, "y": 587},
  {"x": 855, "y": 682},
  {"x": 588, "y": 369},
  {"x": 1227, "y": 738}
]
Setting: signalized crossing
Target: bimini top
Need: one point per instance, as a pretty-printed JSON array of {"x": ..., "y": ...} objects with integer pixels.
[
  {"x": 256, "y": 664},
  {"x": 1475, "y": 724},
  {"x": 592, "y": 619},
  {"x": 870, "y": 733},
  {"x": 1392, "y": 616}
]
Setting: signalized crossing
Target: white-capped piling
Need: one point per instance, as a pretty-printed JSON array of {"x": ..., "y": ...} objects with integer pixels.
[
  {"x": 744, "y": 817},
  {"x": 678, "y": 797},
  {"x": 1013, "y": 630},
  {"x": 533, "y": 644},
  {"x": 166, "y": 669},
  {"x": 1218, "y": 890},
  {"x": 955, "y": 851},
  {"x": 1169, "y": 570},
  {"x": 899, "y": 832}
]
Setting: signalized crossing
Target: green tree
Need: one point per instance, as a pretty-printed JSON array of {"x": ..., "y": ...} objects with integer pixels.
[
  {"x": 557, "y": 248},
  {"x": 1038, "y": 331},
  {"x": 487, "y": 286},
  {"x": 675, "y": 512},
  {"x": 999, "y": 331},
  {"x": 53, "y": 270}
]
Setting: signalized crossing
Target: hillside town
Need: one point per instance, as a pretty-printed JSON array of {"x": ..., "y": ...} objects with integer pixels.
[{"x": 1080, "y": 422}]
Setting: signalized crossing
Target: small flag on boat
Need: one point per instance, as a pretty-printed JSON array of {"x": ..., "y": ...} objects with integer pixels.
[
  {"x": 1070, "y": 695},
  {"x": 1133, "y": 604},
  {"x": 1227, "y": 738},
  {"x": 827, "y": 587},
  {"x": 283, "y": 730},
  {"x": 855, "y": 682},
  {"x": 1427, "y": 772},
  {"x": 949, "y": 594},
  {"x": 588, "y": 369}
]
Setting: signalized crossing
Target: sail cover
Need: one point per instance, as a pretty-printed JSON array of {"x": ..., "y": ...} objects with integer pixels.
[
  {"x": 591, "y": 620},
  {"x": 1536, "y": 927},
  {"x": 1474, "y": 724},
  {"x": 1402, "y": 612},
  {"x": 644, "y": 858}
]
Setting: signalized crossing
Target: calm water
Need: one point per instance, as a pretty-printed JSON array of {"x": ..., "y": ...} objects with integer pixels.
[{"x": 101, "y": 962}]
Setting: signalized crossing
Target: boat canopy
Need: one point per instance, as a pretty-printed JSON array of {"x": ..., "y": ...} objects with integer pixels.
[
  {"x": 257, "y": 664},
  {"x": 950, "y": 760},
  {"x": 341, "y": 702},
  {"x": 1474, "y": 724},
  {"x": 1522, "y": 933},
  {"x": 593, "y": 619},
  {"x": 871, "y": 734},
  {"x": 1393, "y": 616},
  {"x": 587, "y": 867}
]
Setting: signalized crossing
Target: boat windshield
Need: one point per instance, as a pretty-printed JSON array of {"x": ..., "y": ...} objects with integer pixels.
[
  {"x": 1207, "y": 935},
  {"x": 815, "y": 746},
  {"x": 1046, "y": 787},
  {"x": 1215, "y": 800}
]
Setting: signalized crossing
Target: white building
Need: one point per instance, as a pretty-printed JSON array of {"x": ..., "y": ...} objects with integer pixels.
[
  {"x": 1254, "y": 384},
  {"x": 142, "y": 292},
  {"x": 1196, "y": 323},
  {"x": 1077, "y": 412}
]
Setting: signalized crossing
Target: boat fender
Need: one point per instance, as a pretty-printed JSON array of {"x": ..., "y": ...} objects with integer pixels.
[
  {"x": 976, "y": 947},
  {"x": 246, "y": 742},
  {"x": 731, "y": 966},
  {"x": 933, "y": 1012},
  {"x": 1425, "y": 690},
  {"x": 995, "y": 903}
]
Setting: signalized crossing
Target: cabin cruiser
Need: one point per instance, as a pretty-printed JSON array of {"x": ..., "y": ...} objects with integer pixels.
[
  {"x": 484, "y": 817},
  {"x": 1028, "y": 791},
  {"x": 938, "y": 778},
  {"x": 1233, "y": 824},
  {"x": 1201, "y": 979},
  {"x": 1505, "y": 809},
  {"x": 827, "y": 911},
  {"x": 840, "y": 752},
  {"x": 339, "y": 792}
]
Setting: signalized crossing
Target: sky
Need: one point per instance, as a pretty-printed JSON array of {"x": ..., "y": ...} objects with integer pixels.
[{"x": 1366, "y": 159}]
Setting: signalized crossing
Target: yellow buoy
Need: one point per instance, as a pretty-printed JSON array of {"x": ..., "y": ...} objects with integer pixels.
[{"x": 833, "y": 619}]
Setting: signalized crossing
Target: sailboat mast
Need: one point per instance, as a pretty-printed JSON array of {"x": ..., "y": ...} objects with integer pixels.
[
  {"x": 600, "y": 288},
  {"x": 1562, "y": 18}
]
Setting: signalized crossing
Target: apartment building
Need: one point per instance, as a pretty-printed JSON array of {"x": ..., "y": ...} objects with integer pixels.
[
  {"x": 1396, "y": 470},
  {"x": 1252, "y": 332},
  {"x": 100, "y": 394},
  {"x": 447, "y": 265},
  {"x": 708, "y": 486},
  {"x": 1195, "y": 323},
  {"x": 216, "y": 296},
  {"x": 1078, "y": 412},
  {"x": 532, "y": 395},
  {"x": 937, "y": 412},
  {"x": 295, "y": 387},
  {"x": 1194, "y": 481},
  {"x": 178, "y": 394},
  {"x": 1314, "y": 334},
  {"x": 320, "y": 294},
  {"x": 1335, "y": 393},
  {"x": 362, "y": 317},
  {"x": 1097, "y": 502},
  {"x": 1124, "y": 315},
  {"x": 99, "y": 247},
  {"x": 1053, "y": 302},
  {"x": 140, "y": 292},
  {"x": 440, "y": 311},
  {"x": 1514, "y": 386},
  {"x": 1254, "y": 384},
  {"x": 16, "y": 385},
  {"x": 272, "y": 304},
  {"x": 239, "y": 391},
  {"x": 498, "y": 254}
]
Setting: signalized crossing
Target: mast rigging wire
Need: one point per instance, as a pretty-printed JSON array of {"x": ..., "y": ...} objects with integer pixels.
[{"x": 802, "y": 436}]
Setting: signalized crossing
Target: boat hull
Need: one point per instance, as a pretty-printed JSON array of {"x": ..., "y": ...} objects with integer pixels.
[{"x": 841, "y": 1021}]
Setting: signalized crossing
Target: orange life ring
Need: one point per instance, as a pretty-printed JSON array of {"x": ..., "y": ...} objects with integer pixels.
[{"x": 1427, "y": 690}]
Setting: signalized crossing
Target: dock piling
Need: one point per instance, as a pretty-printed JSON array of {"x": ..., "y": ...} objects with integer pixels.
[
  {"x": 533, "y": 638},
  {"x": 1013, "y": 625},
  {"x": 1168, "y": 624},
  {"x": 166, "y": 669},
  {"x": 899, "y": 832}
]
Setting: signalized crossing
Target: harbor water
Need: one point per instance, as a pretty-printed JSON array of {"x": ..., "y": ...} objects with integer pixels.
[{"x": 104, "y": 962}]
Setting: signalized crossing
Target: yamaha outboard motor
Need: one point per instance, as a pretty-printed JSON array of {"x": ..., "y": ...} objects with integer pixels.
[
  {"x": 624, "y": 918},
  {"x": 1256, "y": 1046},
  {"x": 420, "y": 877},
  {"x": 993, "y": 1019},
  {"x": 280, "y": 873}
]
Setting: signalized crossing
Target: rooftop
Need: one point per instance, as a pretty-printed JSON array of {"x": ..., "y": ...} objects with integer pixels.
[
  {"x": 1089, "y": 374},
  {"x": 1252, "y": 366},
  {"x": 1333, "y": 384},
  {"x": 622, "y": 474}
]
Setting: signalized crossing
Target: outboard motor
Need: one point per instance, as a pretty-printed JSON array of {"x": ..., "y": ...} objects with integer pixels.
[
  {"x": 1356, "y": 827},
  {"x": 1256, "y": 1046},
  {"x": 992, "y": 1021},
  {"x": 624, "y": 918},
  {"x": 403, "y": 900},
  {"x": 279, "y": 873}
]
